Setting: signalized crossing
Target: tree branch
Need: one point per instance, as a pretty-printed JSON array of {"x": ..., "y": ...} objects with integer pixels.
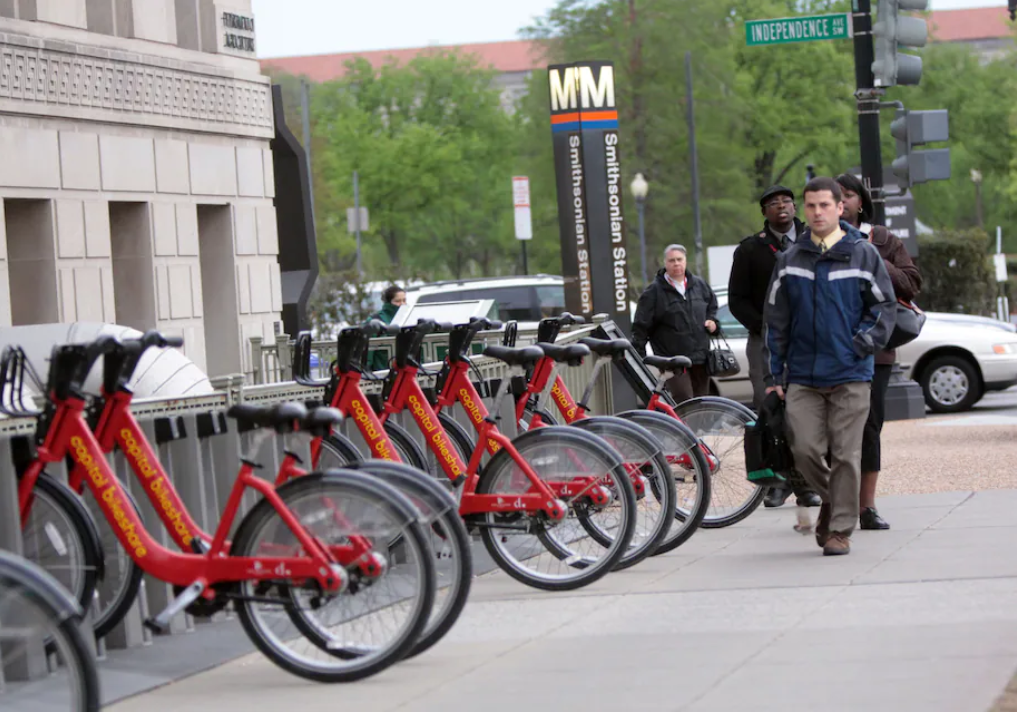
[{"x": 792, "y": 162}]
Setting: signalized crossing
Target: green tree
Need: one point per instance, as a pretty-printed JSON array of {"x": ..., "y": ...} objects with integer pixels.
[
  {"x": 432, "y": 147},
  {"x": 761, "y": 113}
]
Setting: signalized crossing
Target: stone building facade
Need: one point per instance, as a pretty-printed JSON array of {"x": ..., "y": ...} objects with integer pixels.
[{"x": 136, "y": 180}]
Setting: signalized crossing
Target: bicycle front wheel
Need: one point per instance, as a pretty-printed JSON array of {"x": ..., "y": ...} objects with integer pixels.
[
  {"x": 43, "y": 654},
  {"x": 720, "y": 424},
  {"x": 376, "y": 621},
  {"x": 60, "y": 536},
  {"x": 647, "y": 467},
  {"x": 559, "y": 555}
]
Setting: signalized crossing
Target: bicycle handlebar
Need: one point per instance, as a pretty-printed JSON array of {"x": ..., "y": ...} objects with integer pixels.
[{"x": 122, "y": 360}]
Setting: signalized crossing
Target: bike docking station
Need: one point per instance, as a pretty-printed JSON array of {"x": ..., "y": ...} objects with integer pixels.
[{"x": 587, "y": 161}]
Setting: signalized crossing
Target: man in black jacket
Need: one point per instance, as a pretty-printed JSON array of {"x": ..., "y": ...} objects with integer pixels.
[
  {"x": 751, "y": 268},
  {"x": 677, "y": 313}
]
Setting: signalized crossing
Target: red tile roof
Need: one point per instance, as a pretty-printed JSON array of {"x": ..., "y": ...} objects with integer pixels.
[
  {"x": 980, "y": 23},
  {"x": 523, "y": 55},
  {"x": 514, "y": 56}
]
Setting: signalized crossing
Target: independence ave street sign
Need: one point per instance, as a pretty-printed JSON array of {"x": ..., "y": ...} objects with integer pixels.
[{"x": 798, "y": 29}]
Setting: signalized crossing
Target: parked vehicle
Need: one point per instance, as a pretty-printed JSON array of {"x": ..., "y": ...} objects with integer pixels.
[{"x": 957, "y": 359}]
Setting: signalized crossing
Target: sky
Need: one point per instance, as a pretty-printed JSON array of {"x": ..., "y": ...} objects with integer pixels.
[{"x": 300, "y": 27}]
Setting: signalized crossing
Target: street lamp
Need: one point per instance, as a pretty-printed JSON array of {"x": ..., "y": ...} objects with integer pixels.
[
  {"x": 639, "y": 189},
  {"x": 976, "y": 178}
]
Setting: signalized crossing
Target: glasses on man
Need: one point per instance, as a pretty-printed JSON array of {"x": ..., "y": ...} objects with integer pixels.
[{"x": 778, "y": 202}]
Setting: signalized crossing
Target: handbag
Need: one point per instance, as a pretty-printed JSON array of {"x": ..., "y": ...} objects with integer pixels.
[
  {"x": 721, "y": 361},
  {"x": 910, "y": 320}
]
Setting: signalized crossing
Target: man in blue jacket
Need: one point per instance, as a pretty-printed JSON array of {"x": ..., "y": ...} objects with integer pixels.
[{"x": 830, "y": 306}]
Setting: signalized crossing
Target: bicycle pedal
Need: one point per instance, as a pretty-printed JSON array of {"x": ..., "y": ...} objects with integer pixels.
[{"x": 161, "y": 622}]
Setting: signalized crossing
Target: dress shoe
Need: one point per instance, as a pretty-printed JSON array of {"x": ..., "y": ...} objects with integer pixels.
[
  {"x": 776, "y": 496},
  {"x": 809, "y": 499},
  {"x": 837, "y": 545},
  {"x": 870, "y": 519}
]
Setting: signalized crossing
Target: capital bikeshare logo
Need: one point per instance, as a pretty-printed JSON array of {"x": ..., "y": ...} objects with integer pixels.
[
  {"x": 377, "y": 439},
  {"x": 156, "y": 484},
  {"x": 564, "y": 402},
  {"x": 436, "y": 436},
  {"x": 110, "y": 495},
  {"x": 478, "y": 416}
]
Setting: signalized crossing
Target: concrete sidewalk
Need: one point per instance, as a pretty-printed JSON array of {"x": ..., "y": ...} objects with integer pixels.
[{"x": 752, "y": 617}]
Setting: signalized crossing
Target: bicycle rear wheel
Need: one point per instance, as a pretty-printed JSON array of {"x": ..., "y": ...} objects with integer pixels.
[
  {"x": 43, "y": 654},
  {"x": 453, "y": 557},
  {"x": 60, "y": 536},
  {"x": 720, "y": 424},
  {"x": 376, "y": 621},
  {"x": 559, "y": 555}
]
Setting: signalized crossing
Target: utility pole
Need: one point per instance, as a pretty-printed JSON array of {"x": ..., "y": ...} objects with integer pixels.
[
  {"x": 867, "y": 97},
  {"x": 694, "y": 158}
]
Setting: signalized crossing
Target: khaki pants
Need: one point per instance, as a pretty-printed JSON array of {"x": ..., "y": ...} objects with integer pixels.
[{"x": 821, "y": 419}]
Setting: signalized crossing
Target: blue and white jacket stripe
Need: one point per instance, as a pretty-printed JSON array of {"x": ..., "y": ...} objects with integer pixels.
[{"x": 827, "y": 313}]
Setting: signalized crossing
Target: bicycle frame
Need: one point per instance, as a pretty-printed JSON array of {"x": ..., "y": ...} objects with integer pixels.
[
  {"x": 69, "y": 434},
  {"x": 543, "y": 497},
  {"x": 350, "y": 398}
]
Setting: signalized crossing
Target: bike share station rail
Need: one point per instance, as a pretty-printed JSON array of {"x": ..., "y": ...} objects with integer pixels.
[{"x": 200, "y": 450}]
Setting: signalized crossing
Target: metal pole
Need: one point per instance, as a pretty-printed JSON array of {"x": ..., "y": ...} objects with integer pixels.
[
  {"x": 305, "y": 112},
  {"x": 642, "y": 238},
  {"x": 868, "y": 108},
  {"x": 356, "y": 220},
  {"x": 526, "y": 268},
  {"x": 697, "y": 225}
]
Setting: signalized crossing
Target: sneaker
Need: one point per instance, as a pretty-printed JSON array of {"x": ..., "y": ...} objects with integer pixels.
[
  {"x": 870, "y": 519},
  {"x": 837, "y": 545},
  {"x": 823, "y": 524}
]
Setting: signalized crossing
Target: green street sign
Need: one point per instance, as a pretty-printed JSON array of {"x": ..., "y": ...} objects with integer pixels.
[{"x": 798, "y": 29}]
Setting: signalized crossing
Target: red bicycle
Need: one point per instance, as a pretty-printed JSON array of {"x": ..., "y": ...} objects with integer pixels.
[
  {"x": 685, "y": 465},
  {"x": 555, "y": 508},
  {"x": 317, "y": 553}
]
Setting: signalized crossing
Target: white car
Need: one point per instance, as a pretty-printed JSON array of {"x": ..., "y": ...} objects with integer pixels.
[{"x": 957, "y": 359}]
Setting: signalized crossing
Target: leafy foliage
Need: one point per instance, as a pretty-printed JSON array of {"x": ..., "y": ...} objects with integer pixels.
[{"x": 957, "y": 275}]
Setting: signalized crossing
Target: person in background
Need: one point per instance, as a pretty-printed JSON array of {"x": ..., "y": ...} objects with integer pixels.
[
  {"x": 829, "y": 309},
  {"x": 751, "y": 268},
  {"x": 907, "y": 281},
  {"x": 676, "y": 314},
  {"x": 392, "y": 298}
]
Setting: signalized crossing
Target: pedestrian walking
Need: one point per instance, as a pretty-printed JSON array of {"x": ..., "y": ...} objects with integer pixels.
[
  {"x": 829, "y": 309},
  {"x": 907, "y": 282},
  {"x": 676, "y": 314},
  {"x": 751, "y": 268}
]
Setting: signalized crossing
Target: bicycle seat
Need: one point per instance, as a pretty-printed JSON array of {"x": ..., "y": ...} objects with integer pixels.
[
  {"x": 672, "y": 364},
  {"x": 572, "y": 354},
  {"x": 319, "y": 421},
  {"x": 281, "y": 416},
  {"x": 606, "y": 347},
  {"x": 522, "y": 356}
]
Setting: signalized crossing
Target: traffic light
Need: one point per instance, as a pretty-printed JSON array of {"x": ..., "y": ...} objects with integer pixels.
[
  {"x": 891, "y": 32},
  {"x": 914, "y": 128}
]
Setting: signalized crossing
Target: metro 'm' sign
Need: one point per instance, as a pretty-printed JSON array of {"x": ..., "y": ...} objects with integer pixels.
[{"x": 580, "y": 88}]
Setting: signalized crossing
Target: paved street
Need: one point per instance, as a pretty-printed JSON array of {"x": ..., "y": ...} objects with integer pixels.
[{"x": 923, "y": 617}]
